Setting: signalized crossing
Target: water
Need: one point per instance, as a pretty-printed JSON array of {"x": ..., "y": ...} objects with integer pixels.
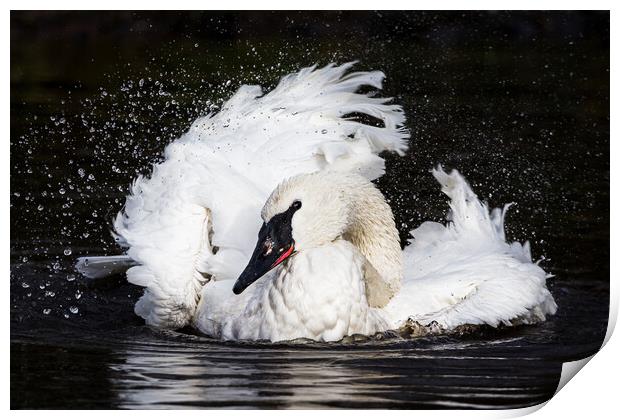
[{"x": 519, "y": 102}]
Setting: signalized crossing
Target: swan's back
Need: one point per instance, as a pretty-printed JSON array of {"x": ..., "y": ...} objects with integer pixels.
[{"x": 196, "y": 217}]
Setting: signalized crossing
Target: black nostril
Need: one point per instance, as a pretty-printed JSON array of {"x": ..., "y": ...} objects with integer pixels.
[{"x": 267, "y": 246}]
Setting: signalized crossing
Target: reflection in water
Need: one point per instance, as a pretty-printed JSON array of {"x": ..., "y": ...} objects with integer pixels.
[
  {"x": 394, "y": 374},
  {"x": 240, "y": 378}
]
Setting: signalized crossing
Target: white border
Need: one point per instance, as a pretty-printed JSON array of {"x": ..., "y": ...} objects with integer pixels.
[{"x": 592, "y": 394}]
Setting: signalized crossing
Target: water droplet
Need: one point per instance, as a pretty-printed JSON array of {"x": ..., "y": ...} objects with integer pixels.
[
  {"x": 78, "y": 294},
  {"x": 47, "y": 311},
  {"x": 56, "y": 266},
  {"x": 40, "y": 207},
  {"x": 67, "y": 251},
  {"x": 141, "y": 82},
  {"x": 62, "y": 191},
  {"x": 81, "y": 172},
  {"x": 70, "y": 277},
  {"x": 74, "y": 309},
  {"x": 25, "y": 285},
  {"x": 91, "y": 177}
]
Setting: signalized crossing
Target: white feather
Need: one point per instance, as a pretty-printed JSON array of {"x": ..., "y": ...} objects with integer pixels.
[{"x": 465, "y": 272}]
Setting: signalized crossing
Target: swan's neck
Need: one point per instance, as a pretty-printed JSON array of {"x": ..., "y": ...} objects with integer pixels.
[{"x": 372, "y": 230}]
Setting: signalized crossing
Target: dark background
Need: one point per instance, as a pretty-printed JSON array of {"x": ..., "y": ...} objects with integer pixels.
[{"x": 517, "y": 101}]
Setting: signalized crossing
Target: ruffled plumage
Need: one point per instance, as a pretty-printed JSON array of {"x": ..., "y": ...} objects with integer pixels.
[
  {"x": 195, "y": 219},
  {"x": 465, "y": 272}
]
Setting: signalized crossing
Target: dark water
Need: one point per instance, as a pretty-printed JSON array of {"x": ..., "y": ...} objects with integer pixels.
[{"x": 519, "y": 102}]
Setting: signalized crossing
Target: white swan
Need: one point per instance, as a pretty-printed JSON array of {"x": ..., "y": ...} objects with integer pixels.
[
  {"x": 339, "y": 267},
  {"x": 328, "y": 261}
]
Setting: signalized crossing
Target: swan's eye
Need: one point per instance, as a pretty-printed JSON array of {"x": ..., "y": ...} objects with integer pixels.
[{"x": 296, "y": 205}]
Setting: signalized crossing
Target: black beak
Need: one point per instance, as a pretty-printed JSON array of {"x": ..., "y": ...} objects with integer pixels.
[{"x": 275, "y": 244}]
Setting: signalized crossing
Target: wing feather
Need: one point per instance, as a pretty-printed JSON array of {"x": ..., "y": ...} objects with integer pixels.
[{"x": 196, "y": 217}]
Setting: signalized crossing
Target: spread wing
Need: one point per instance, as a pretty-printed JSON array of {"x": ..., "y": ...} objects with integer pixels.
[{"x": 196, "y": 217}]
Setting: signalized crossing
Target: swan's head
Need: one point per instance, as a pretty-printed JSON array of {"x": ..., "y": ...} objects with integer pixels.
[{"x": 303, "y": 212}]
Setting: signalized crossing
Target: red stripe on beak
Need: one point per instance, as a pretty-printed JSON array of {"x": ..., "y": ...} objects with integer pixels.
[{"x": 284, "y": 256}]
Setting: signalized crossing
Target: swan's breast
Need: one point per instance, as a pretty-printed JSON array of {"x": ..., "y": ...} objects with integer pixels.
[{"x": 318, "y": 294}]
